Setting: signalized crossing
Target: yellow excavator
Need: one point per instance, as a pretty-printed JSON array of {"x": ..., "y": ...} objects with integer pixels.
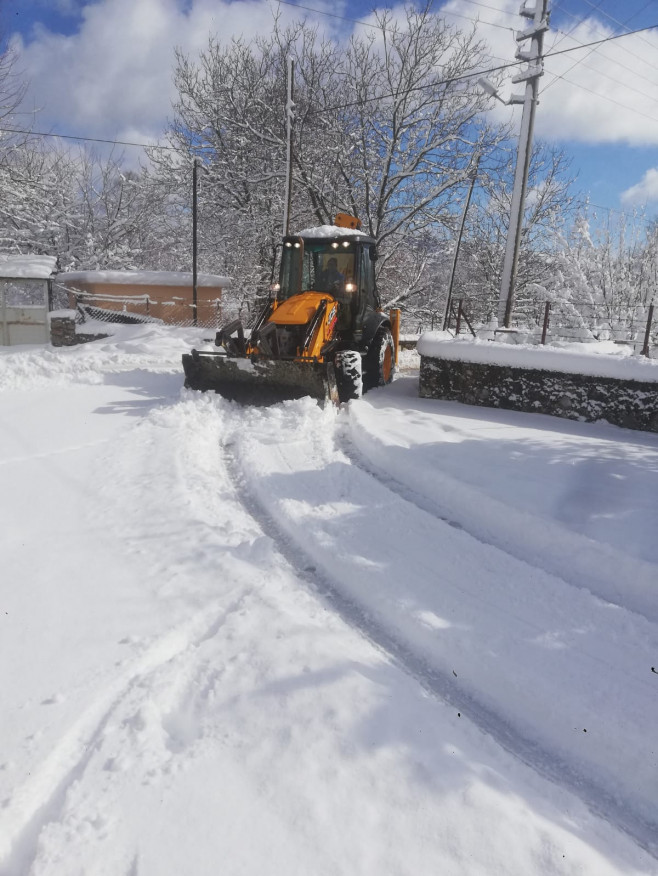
[{"x": 322, "y": 332}]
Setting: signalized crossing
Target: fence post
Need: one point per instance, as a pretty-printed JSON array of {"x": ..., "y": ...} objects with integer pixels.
[
  {"x": 547, "y": 310},
  {"x": 647, "y": 334},
  {"x": 459, "y": 317}
]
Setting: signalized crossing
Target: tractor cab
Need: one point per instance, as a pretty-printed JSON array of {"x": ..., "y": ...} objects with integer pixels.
[{"x": 339, "y": 263}]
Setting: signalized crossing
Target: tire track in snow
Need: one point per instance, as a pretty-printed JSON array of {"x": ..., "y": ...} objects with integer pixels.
[
  {"x": 168, "y": 438},
  {"x": 42, "y": 800},
  {"x": 435, "y": 678},
  {"x": 584, "y": 553}
]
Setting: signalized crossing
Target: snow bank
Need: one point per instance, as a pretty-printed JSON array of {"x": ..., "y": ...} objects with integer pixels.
[
  {"x": 149, "y": 346},
  {"x": 581, "y": 361}
]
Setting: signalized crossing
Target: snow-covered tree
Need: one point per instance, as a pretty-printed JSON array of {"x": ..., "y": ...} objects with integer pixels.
[
  {"x": 605, "y": 277},
  {"x": 385, "y": 127},
  {"x": 83, "y": 208},
  {"x": 549, "y": 207}
]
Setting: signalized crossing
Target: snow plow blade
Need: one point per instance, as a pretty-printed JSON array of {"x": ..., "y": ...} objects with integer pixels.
[{"x": 255, "y": 381}]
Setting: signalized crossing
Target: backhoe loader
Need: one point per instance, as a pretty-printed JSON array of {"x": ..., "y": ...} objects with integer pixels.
[{"x": 322, "y": 332}]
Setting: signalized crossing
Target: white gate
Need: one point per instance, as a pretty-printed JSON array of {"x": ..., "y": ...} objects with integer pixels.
[{"x": 23, "y": 311}]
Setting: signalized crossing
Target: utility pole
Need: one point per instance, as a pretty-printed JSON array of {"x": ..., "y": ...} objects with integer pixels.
[
  {"x": 534, "y": 58},
  {"x": 195, "y": 170},
  {"x": 474, "y": 173},
  {"x": 289, "y": 120}
]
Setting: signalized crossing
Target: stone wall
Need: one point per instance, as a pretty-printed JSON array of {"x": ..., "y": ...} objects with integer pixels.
[
  {"x": 628, "y": 403},
  {"x": 62, "y": 331}
]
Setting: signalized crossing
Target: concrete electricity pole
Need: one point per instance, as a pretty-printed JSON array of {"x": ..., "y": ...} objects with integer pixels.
[
  {"x": 455, "y": 255},
  {"x": 290, "y": 106},
  {"x": 196, "y": 163},
  {"x": 533, "y": 56}
]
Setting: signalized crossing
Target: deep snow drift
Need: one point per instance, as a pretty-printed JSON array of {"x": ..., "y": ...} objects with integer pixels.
[{"x": 404, "y": 637}]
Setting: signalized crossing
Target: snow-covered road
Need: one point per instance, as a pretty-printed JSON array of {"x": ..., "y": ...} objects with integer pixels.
[{"x": 406, "y": 637}]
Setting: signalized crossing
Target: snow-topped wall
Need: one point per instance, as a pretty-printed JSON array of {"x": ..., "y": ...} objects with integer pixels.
[{"x": 574, "y": 384}]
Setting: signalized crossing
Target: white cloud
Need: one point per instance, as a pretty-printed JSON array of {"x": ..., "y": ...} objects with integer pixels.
[
  {"x": 644, "y": 192},
  {"x": 607, "y": 95},
  {"x": 114, "y": 77},
  {"x": 64, "y": 7}
]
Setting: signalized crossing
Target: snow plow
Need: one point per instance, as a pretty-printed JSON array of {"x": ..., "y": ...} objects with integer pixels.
[{"x": 322, "y": 332}]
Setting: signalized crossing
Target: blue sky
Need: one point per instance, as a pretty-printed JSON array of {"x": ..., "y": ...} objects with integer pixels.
[{"x": 103, "y": 69}]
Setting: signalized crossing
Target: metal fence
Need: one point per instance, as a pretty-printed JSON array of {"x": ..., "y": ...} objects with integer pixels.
[
  {"x": 535, "y": 322},
  {"x": 544, "y": 322},
  {"x": 177, "y": 311}
]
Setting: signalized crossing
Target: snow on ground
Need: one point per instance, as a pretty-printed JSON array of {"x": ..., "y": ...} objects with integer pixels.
[{"x": 405, "y": 637}]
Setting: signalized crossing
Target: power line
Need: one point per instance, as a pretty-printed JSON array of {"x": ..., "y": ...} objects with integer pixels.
[
  {"x": 479, "y": 73},
  {"x": 625, "y": 85},
  {"x": 610, "y": 99},
  {"x": 84, "y": 139},
  {"x": 579, "y": 21},
  {"x": 623, "y": 48},
  {"x": 494, "y": 24},
  {"x": 328, "y": 14},
  {"x": 385, "y": 29},
  {"x": 485, "y": 6},
  {"x": 451, "y": 80},
  {"x": 621, "y": 212},
  {"x": 564, "y": 35},
  {"x": 589, "y": 67},
  {"x": 389, "y": 30},
  {"x": 623, "y": 23},
  {"x": 605, "y": 75}
]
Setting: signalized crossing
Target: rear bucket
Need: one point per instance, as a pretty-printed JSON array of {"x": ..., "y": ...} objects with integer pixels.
[{"x": 258, "y": 381}]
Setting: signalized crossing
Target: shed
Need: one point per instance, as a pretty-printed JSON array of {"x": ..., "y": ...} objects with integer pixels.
[
  {"x": 161, "y": 295},
  {"x": 25, "y": 298}
]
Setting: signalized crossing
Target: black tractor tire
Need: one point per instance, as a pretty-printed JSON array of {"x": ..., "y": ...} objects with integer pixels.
[
  {"x": 379, "y": 360},
  {"x": 349, "y": 377}
]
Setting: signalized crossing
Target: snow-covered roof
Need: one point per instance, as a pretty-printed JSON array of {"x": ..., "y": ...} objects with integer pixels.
[
  {"x": 27, "y": 267},
  {"x": 143, "y": 278},
  {"x": 331, "y": 231},
  {"x": 583, "y": 360}
]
